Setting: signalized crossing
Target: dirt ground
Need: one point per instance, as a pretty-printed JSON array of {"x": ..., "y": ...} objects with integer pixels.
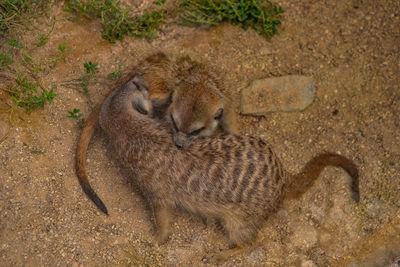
[{"x": 350, "y": 48}]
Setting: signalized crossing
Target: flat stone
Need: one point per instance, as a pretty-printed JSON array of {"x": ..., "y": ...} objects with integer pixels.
[{"x": 287, "y": 93}]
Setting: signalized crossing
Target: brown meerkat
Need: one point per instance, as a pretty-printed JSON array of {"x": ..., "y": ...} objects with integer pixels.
[
  {"x": 157, "y": 71},
  {"x": 238, "y": 181},
  {"x": 200, "y": 105}
]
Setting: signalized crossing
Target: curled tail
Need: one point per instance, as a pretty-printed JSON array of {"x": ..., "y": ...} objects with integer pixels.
[
  {"x": 302, "y": 181},
  {"x": 80, "y": 161}
]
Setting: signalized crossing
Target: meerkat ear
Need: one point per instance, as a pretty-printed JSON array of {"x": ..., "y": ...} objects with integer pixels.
[
  {"x": 139, "y": 82},
  {"x": 219, "y": 114},
  {"x": 138, "y": 78}
]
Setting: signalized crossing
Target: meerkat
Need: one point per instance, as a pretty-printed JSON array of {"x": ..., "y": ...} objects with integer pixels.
[
  {"x": 201, "y": 105},
  {"x": 235, "y": 180},
  {"x": 157, "y": 72},
  {"x": 198, "y": 107}
]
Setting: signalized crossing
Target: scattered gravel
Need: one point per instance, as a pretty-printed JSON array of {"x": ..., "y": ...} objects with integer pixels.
[{"x": 351, "y": 51}]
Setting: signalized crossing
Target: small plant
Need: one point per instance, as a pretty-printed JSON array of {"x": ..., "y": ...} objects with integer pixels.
[
  {"x": 261, "y": 15},
  {"x": 5, "y": 60},
  {"x": 39, "y": 65},
  {"x": 116, "y": 74},
  {"x": 62, "y": 49},
  {"x": 91, "y": 70},
  {"x": 44, "y": 37},
  {"x": 84, "y": 84},
  {"x": 24, "y": 88},
  {"x": 33, "y": 150},
  {"x": 117, "y": 22},
  {"x": 27, "y": 95},
  {"x": 61, "y": 55},
  {"x": 90, "y": 67},
  {"x": 75, "y": 114},
  {"x": 31, "y": 63},
  {"x": 148, "y": 24},
  {"x": 16, "y": 14},
  {"x": 15, "y": 43}
]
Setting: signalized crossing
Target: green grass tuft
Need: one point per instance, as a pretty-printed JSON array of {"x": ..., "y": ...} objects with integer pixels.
[
  {"x": 260, "y": 15},
  {"x": 5, "y": 60},
  {"x": 15, "y": 43},
  {"x": 117, "y": 22},
  {"x": 61, "y": 54},
  {"x": 75, "y": 114},
  {"x": 116, "y": 74},
  {"x": 88, "y": 76},
  {"x": 17, "y": 13},
  {"x": 27, "y": 94}
]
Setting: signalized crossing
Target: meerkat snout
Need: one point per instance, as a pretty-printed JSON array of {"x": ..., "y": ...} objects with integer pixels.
[
  {"x": 199, "y": 129},
  {"x": 180, "y": 140}
]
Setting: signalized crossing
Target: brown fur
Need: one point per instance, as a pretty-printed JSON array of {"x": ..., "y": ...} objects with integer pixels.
[
  {"x": 161, "y": 75},
  {"x": 196, "y": 103},
  {"x": 155, "y": 70},
  {"x": 238, "y": 181}
]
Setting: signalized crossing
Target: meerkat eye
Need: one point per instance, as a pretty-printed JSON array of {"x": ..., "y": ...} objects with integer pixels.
[
  {"x": 219, "y": 114},
  {"x": 140, "y": 87},
  {"x": 174, "y": 124},
  {"x": 136, "y": 84},
  {"x": 140, "y": 109},
  {"x": 196, "y": 132}
]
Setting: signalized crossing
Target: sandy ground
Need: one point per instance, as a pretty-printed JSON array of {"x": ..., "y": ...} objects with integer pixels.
[{"x": 354, "y": 56}]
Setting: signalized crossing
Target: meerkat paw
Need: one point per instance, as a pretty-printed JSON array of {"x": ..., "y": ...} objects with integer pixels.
[{"x": 162, "y": 238}]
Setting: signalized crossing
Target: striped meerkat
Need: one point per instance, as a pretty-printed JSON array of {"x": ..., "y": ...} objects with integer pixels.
[
  {"x": 238, "y": 181},
  {"x": 197, "y": 106}
]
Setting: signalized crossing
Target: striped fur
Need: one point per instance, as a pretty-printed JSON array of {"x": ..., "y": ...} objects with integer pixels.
[{"x": 238, "y": 181}]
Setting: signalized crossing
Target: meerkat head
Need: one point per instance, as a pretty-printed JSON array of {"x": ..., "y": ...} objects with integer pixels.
[
  {"x": 140, "y": 99},
  {"x": 193, "y": 113}
]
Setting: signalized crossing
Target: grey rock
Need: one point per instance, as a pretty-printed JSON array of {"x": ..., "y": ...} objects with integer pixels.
[{"x": 287, "y": 93}]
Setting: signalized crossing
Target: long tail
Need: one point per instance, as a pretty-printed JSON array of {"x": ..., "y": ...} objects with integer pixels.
[
  {"x": 80, "y": 163},
  {"x": 302, "y": 181}
]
